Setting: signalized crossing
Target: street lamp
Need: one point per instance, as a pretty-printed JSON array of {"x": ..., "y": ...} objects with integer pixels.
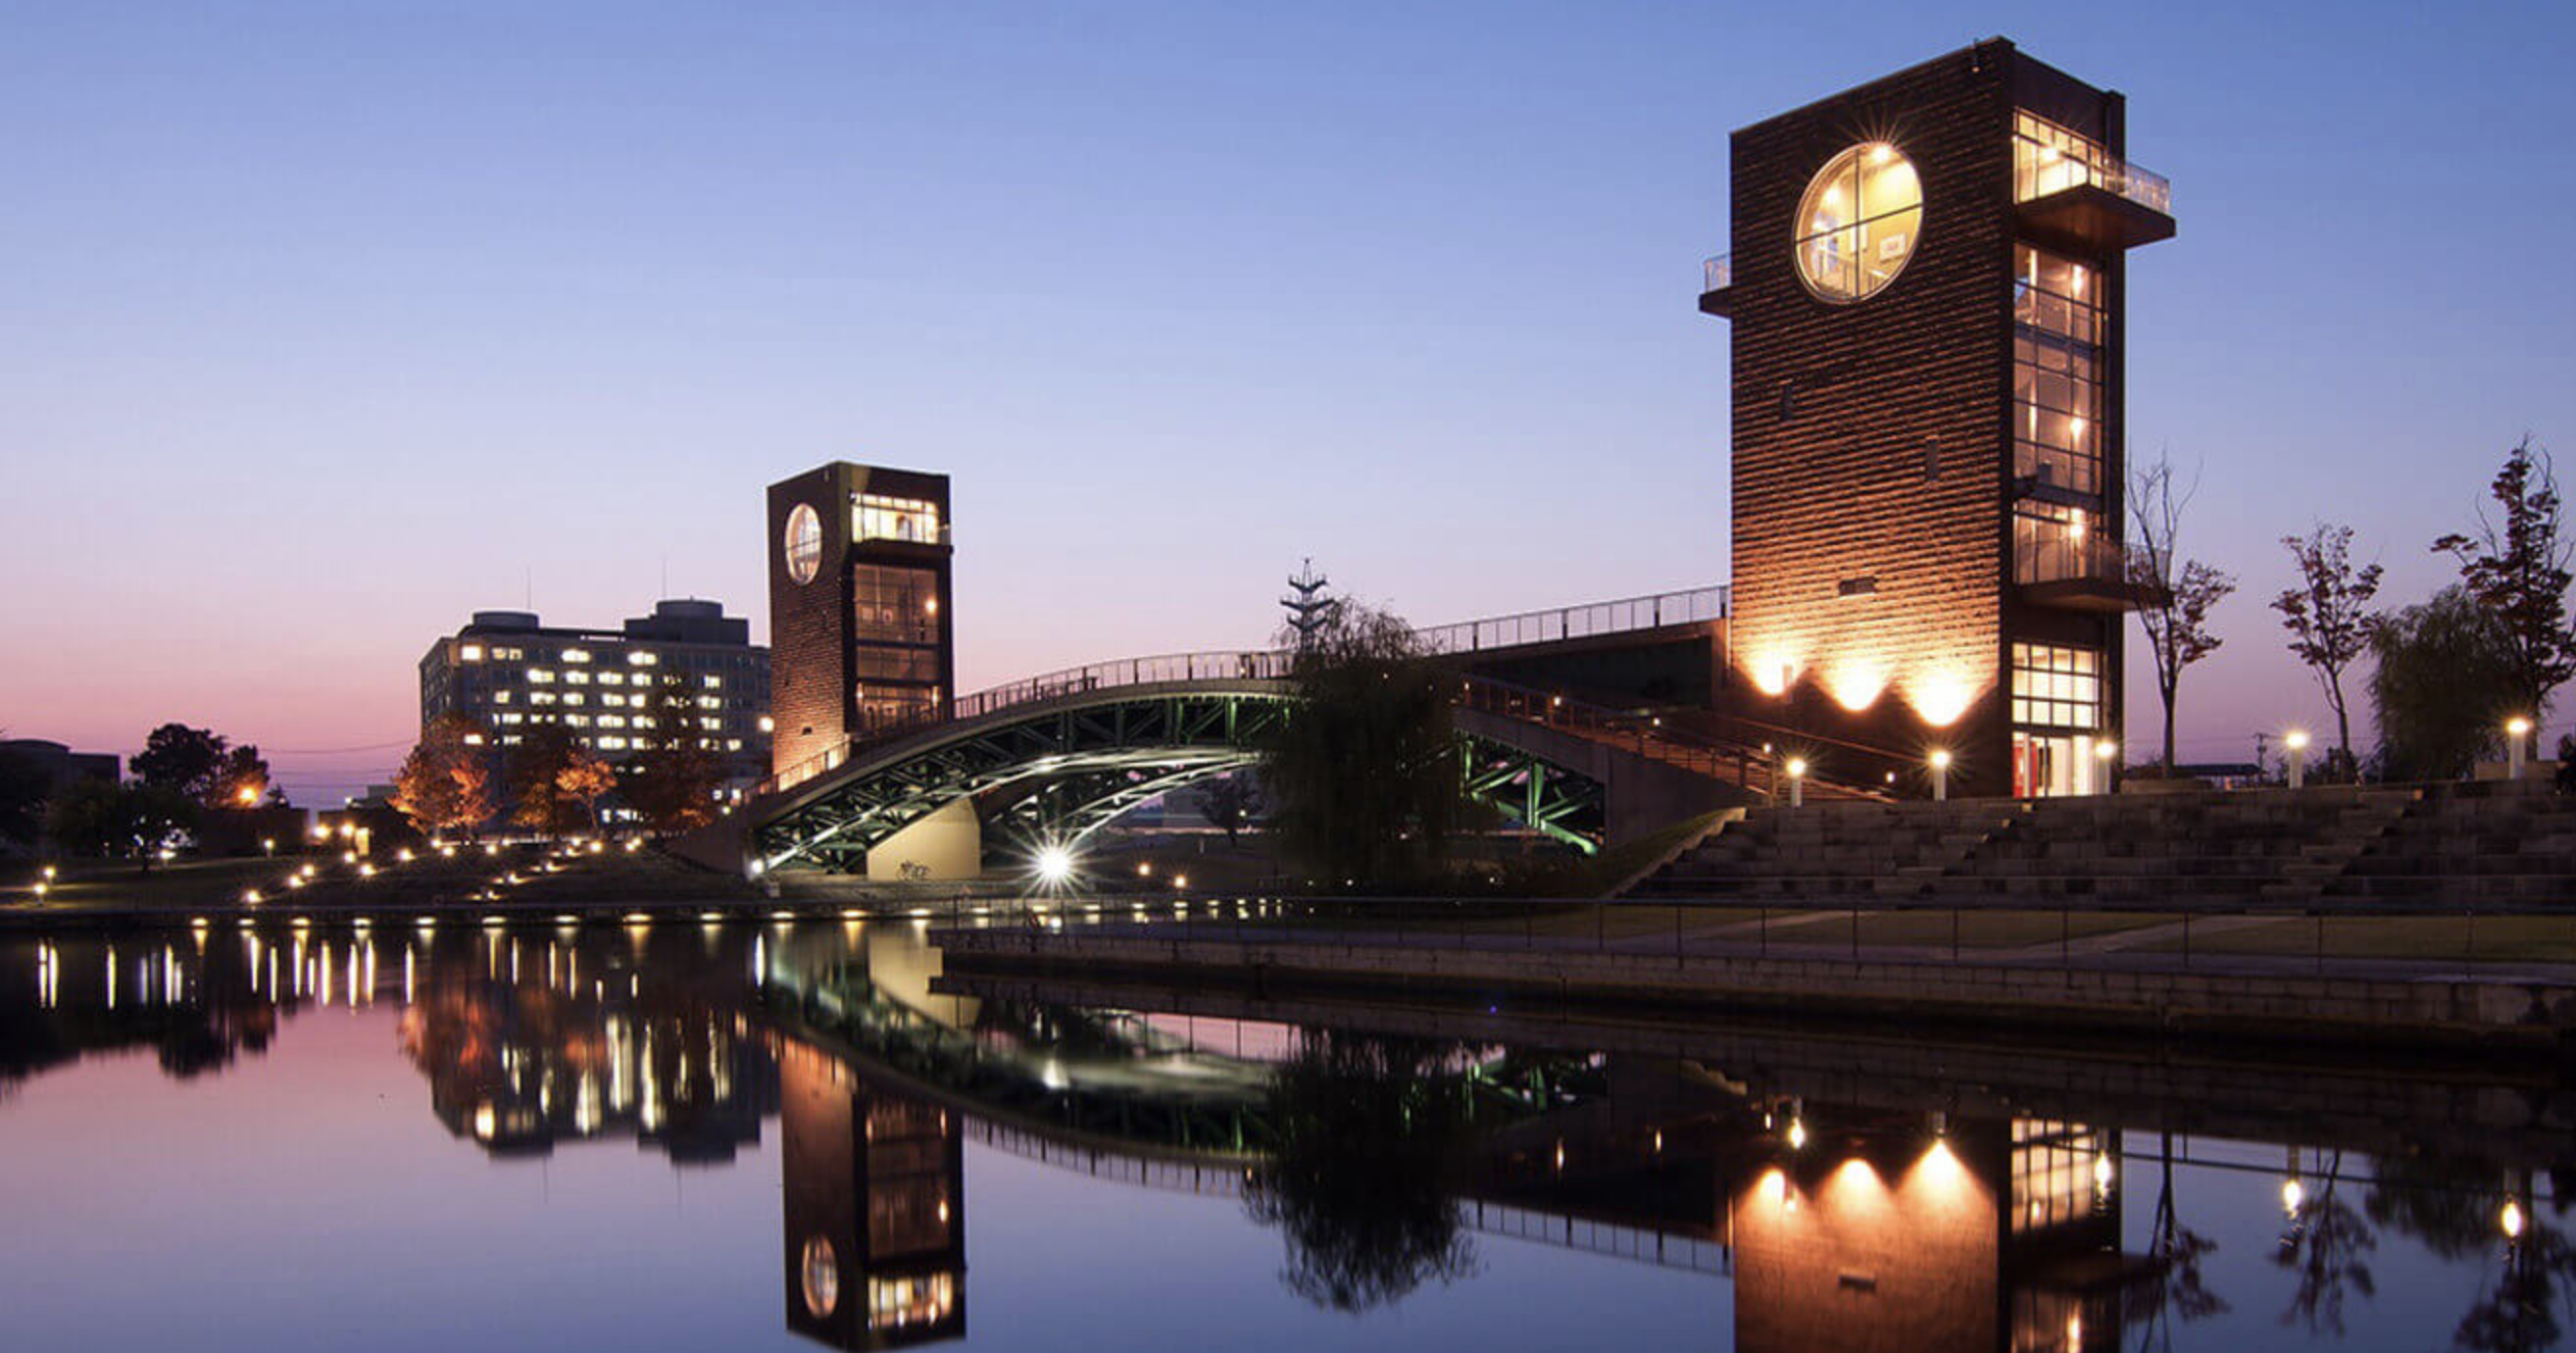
[
  {"x": 1940, "y": 775},
  {"x": 1797, "y": 781},
  {"x": 2517, "y": 731},
  {"x": 2297, "y": 741},
  {"x": 2107, "y": 753},
  {"x": 1055, "y": 866}
]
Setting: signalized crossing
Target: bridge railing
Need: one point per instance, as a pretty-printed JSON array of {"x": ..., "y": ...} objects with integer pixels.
[
  {"x": 1623, "y": 616},
  {"x": 1223, "y": 665},
  {"x": 1753, "y": 762}
]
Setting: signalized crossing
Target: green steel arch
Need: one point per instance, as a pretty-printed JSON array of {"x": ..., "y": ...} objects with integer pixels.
[{"x": 1058, "y": 765}]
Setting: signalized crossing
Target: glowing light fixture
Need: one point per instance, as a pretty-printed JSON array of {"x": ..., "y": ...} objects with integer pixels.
[
  {"x": 1055, "y": 865},
  {"x": 2297, "y": 741},
  {"x": 1940, "y": 762},
  {"x": 2510, "y": 1219}
]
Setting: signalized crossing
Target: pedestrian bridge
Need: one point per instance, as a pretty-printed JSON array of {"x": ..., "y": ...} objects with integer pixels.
[{"x": 1052, "y": 759}]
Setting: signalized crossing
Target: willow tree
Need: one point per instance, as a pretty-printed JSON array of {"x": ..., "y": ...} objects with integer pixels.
[{"x": 1363, "y": 774}]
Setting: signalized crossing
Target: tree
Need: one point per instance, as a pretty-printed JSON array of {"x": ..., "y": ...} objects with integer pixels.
[
  {"x": 585, "y": 779},
  {"x": 2516, "y": 567},
  {"x": 552, "y": 775},
  {"x": 672, "y": 784},
  {"x": 1230, "y": 803},
  {"x": 1364, "y": 770},
  {"x": 2328, "y": 614},
  {"x": 446, "y": 783},
  {"x": 2181, "y": 592},
  {"x": 107, "y": 819},
  {"x": 240, "y": 780},
  {"x": 185, "y": 760},
  {"x": 2441, "y": 685}
]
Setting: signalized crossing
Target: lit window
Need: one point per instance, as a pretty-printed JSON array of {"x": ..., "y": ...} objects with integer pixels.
[
  {"x": 576, "y": 655},
  {"x": 611, "y": 698},
  {"x": 1858, "y": 222},
  {"x": 473, "y": 739},
  {"x": 541, "y": 697},
  {"x": 577, "y": 720},
  {"x": 512, "y": 717},
  {"x": 733, "y": 744},
  {"x": 2056, "y": 687},
  {"x": 642, "y": 658},
  {"x": 714, "y": 683},
  {"x": 711, "y": 725},
  {"x": 612, "y": 721},
  {"x": 574, "y": 697},
  {"x": 500, "y": 697},
  {"x": 540, "y": 675},
  {"x": 612, "y": 744},
  {"x": 709, "y": 702},
  {"x": 768, "y": 724},
  {"x": 471, "y": 653},
  {"x": 883, "y": 518},
  {"x": 612, "y": 678}
]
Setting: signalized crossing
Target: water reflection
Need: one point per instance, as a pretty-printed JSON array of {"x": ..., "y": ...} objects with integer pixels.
[{"x": 1847, "y": 1203}]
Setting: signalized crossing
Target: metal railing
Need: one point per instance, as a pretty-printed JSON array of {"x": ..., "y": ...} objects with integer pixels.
[
  {"x": 1750, "y": 756},
  {"x": 1844, "y": 919},
  {"x": 2041, "y": 169},
  {"x": 1624, "y": 616},
  {"x": 1227, "y": 665},
  {"x": 1717, "y": 274}
]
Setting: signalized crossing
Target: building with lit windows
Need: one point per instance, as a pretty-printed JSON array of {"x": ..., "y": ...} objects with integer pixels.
[
  {"x": 859, "y": 611},
  {"x": 686, "y": 671},
  {"x": 1925, "y": 287}
]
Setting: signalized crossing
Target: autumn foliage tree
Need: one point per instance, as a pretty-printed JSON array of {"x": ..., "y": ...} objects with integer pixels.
[
  {"x": 2515, "y": 566},
  {"x": 2328, "y": 615},
  {"x": 445, "y": 785},
  {"x": 554, "y": 781}
]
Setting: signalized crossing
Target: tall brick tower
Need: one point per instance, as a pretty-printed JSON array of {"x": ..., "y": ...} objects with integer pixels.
[
  {"x": 861, "y": 632},
  {"x": 1926, "y": 288}
]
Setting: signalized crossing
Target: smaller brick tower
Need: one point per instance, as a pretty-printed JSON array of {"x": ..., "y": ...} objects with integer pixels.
[
  {"x": 1926, "y": 289},
  {"x": 861, "y": 632}
]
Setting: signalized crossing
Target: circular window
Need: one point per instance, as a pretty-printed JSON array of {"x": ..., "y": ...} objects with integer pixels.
[
  {"x": 1858, "y": 222},
  {"x": 804, "y": 543},
  {"x": 822, "y": 1278}
]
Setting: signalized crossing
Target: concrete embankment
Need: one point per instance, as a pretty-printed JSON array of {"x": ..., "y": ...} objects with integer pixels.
[{"x": 2382, "y": 1002}]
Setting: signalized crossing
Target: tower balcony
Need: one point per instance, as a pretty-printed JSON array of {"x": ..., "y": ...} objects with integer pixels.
[
  {"x": 1717, "y": 286},
  {"x": 2083, "y": 197},
  {"x": 2077, "y": 572}
]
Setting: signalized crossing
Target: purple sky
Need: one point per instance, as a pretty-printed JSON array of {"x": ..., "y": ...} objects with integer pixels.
[{"x": 329, "y": 326}]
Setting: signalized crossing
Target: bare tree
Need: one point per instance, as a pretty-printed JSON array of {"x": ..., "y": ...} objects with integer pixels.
[
  {"x": 2180, "y": 593},
  {"x": 2517, "y": 570},
  {"x": 2328, "y": 615}
]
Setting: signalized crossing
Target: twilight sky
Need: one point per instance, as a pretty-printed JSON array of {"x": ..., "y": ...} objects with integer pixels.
[{"x": 328, "y": 324}]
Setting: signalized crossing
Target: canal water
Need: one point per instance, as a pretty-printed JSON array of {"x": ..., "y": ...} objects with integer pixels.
[{"x": 686, "y": 1136}]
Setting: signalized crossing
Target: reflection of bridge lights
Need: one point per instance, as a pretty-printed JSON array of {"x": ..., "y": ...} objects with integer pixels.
[
  {"x": 2510, "y": 1219},
  {"x": 1797, "y": 1134},
  {"x": 2292, "y": 1194},
  {"x": 2102, "y": 1171}
]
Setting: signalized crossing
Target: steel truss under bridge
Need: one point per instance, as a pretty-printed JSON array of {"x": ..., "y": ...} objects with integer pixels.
[{"x": 1059, "y": 770}]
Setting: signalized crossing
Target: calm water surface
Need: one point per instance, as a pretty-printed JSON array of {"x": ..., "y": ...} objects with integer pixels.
[{"x": 686, "y": 1136}]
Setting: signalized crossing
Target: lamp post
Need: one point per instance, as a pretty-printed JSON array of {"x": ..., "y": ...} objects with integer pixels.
[
  {"x": 2297, "y": 741},
  {"x": 2106, "y": 754},
  {"x": 1797, "y": 781},
  {"x": 2517, "y": 731},
  {"x": 1940, "y": 776}
]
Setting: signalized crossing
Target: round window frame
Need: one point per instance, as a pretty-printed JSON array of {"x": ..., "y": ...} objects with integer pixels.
[
  {"x": 1800, "y": 237},
  {"x": 819, "y": 1274},
  {"x": 803, "y": 557}
]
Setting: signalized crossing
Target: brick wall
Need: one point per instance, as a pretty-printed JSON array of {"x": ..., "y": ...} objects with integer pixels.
[{"x": 809, "y": 640}]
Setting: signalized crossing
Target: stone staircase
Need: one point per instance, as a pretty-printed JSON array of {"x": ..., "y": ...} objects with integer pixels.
[
  {"x": 2486, "y": 843},
  {"x": 1833, "y": 850},
  {"x": 2493, "y": 842}
]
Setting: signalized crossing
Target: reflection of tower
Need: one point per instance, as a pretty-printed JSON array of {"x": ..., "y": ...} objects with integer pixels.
[
  {"x": 1310, "y": 608},
  {"x": 1960, "y": 1238},
  {"x": 873, "y": 1192}
]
